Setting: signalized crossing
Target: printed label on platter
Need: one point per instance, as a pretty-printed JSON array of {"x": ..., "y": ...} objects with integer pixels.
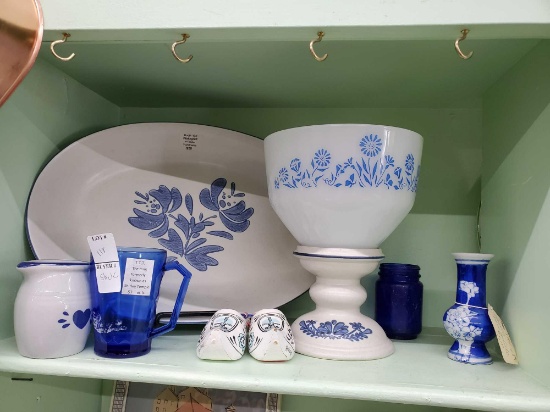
[
  {"x": 107, "y": 267},
  {"x": 190, "y": 141},
  {"x": 138, "y": 276}
]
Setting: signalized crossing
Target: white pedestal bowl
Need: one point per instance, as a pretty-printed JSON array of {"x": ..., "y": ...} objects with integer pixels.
[{"x": 341, "y": 190}]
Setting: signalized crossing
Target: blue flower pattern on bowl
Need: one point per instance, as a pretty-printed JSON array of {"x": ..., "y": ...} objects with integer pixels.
[
  {"x": 335, "y": 330},
  {"x": 370, "y": 170},
  {"x": 160, "y": 218}
]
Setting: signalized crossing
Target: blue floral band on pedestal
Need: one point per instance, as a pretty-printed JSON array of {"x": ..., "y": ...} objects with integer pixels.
[
  {"x": 162, "y": 203},
  {"x": 335, "y": 330},
  {"x": 373, "y": 170}
]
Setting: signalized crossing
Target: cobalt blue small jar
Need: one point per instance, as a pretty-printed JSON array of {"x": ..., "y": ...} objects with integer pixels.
[{"x": 398, "y": 302}]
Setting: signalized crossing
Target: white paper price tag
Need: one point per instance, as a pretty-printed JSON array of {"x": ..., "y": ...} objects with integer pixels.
[
  {"x": 108, "y": 277},
  {"x": 137, "y": 277},
  {"x": 107, "y": 268},
  {"x": 504, "y": 341},
  {"x": 103, "y": 248}
]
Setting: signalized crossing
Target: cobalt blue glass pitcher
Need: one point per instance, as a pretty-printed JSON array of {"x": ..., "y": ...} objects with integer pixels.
[{"x": 123, "y": 321}]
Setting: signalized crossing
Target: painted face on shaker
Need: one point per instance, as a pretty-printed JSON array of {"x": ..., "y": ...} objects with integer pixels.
[
  {"x": 269, "y": 321},
  {"x": 225, "y": 321}
]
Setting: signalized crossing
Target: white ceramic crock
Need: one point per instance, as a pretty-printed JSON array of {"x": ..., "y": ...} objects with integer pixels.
[{"x": 52, "y": 308}]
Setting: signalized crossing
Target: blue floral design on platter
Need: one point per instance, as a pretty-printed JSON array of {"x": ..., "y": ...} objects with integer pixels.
[
  {"x": 370, "y": 170},
  {"x": 335, "y": 330},
  {"x": 160, "y": 215}
]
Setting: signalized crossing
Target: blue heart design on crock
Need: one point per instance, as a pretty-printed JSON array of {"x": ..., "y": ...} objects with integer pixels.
[{"x": 80, "y": 318}]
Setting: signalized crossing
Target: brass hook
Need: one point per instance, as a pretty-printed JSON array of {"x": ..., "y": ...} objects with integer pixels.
[
  {"x": 63, "y": 40},
  {"x": 457, "y": 47},
  {"x": 184, "y": 36},
  {"x": 317, "y": 40}
]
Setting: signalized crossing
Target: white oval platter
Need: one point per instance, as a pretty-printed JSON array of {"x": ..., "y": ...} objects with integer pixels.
[{"x": 199, "y": 192}]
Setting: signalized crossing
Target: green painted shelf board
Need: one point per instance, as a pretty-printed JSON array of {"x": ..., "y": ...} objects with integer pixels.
[
  {"x": 418, "y": 373},
  {"x": 495, "y": 17},
  {"x": 304, "y": 34},
  {"x": 283, "y": 74}
]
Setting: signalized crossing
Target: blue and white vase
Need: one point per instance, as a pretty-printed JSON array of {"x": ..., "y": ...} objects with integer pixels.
[{"x": 468, "y": 319}]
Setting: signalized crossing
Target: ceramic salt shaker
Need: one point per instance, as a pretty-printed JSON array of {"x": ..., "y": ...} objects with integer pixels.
[
  {"x": 52, "y": 308},
  {"x": 223, "y": 337},
  {"x": 270, "y": 338}
]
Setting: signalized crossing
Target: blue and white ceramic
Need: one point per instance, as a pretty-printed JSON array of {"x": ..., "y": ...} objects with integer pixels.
[
  {"x": 270, "y": 337},
  {"x": 52, "y": 309},
  {"x": 341, "y": 189},
  {"x": 468, "y": 320},
  {"x": 343, "y": 185},
  {"x": 198, "y": 192},
  {"x": 336, "y": 329},
  {"x": 224, "y": 337}
]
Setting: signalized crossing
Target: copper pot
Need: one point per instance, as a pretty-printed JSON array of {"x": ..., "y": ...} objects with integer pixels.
[{"x": 21, "y": 27}]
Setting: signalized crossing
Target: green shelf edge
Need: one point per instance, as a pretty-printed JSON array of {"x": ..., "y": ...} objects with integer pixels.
[{"x": 418, "y": 373}]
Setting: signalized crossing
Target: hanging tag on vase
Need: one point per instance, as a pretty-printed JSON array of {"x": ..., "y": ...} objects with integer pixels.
[{"x": 504, "y": 340}]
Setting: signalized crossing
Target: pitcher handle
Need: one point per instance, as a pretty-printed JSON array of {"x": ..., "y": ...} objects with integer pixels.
[{"x": 174, "y": 265}]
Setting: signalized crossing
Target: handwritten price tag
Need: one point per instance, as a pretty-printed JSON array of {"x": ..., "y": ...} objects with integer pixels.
[
  {"x": 108, "y": 277},
  {"x": 107, "y": 265},
  {"x": 137, "y": 277},
  {"x": 504, "y": 340},
  {"x": 103, "y": 248}
]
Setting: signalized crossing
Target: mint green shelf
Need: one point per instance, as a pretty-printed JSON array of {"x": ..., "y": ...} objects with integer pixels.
[
  {"x": 294, "y": 20},
  {"x": 418, "y": 373},
  {"x": 283, "y": 74}
]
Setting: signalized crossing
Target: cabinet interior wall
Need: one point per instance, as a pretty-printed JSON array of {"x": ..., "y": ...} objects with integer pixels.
[{"x": 515, "y": 218}]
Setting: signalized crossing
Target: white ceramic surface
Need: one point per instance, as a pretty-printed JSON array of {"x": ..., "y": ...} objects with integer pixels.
[
  {"x": 198, "y": 191},
  {"x": 223, "y": 337},
  {"x": 342, "y": 186},
  {"x": 473, "y": 258},
  {"x": 52, "y": 309},
  {"x": 336, "y": 329},
  {"x": 270, "y": 337}
]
